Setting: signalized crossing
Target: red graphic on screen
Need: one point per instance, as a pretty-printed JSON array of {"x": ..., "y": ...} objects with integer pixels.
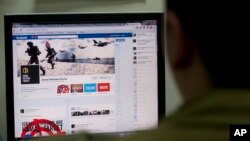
[
  {"x": 38, "y": 127},
  {"x": 103, "y": 87},
  {"x": 63, "y": 89}
]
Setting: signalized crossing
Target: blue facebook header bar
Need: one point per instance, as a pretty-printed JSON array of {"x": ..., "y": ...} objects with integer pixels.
[{"x": 71, "y": 36}]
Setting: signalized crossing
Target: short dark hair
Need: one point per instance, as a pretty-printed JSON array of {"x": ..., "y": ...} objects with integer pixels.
[{"x": 218, "y": 30}]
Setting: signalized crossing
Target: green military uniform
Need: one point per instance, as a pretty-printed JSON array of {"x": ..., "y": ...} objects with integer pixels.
[{"x": 205, "y": 118}]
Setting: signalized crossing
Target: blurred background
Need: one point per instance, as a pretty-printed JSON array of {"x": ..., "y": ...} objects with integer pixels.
[{"x": 173, "y": 99}]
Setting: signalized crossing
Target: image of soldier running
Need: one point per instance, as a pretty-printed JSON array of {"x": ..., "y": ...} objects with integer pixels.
[
  {"x": 34, "y": 52},
  {"x": 51, "y": 53}
]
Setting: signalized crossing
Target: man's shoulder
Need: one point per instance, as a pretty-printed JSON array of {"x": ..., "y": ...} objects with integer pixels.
[{"x": 205, "y": 118}]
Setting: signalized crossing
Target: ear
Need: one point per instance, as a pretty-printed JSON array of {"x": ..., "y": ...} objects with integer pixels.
[{"x": 180, "y": 49}]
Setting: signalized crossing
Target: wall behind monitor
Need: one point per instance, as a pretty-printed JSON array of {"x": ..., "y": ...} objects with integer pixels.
[{"x": 44, "y": 6}]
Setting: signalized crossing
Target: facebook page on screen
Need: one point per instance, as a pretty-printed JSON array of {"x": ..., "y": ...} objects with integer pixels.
[{"x": 95, "y": 78}]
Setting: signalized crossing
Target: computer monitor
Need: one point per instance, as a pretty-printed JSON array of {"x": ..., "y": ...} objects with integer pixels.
[{"x": 94, "y": 73}]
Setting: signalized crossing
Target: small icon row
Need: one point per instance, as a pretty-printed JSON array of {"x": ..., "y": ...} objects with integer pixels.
[{"x": 80, "y": 88}]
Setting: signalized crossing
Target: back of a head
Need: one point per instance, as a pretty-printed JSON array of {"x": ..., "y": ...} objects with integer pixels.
[{"x": 218, "y": 30}]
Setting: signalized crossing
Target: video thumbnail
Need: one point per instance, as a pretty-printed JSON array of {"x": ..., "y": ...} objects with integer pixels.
[{"x": 76, "y": 88}]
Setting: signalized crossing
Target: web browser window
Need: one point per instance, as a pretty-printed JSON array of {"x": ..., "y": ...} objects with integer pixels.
[{"x": 95, "y": 78}]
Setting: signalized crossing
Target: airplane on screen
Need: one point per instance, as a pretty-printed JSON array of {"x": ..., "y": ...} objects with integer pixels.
[
  {"x": 82, "y": 47},
  {"x": 62, "y": 50},
  {"x": 100, "y": 43}
]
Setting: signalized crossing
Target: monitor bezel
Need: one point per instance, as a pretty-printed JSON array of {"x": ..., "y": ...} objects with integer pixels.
[{"x": 78, "y": 17}]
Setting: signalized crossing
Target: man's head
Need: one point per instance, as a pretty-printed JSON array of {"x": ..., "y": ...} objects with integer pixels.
[
  {"x": 30, "y": 44},
  {"x": 205, "y": 47},
  {"x": 47, "y": 44}
]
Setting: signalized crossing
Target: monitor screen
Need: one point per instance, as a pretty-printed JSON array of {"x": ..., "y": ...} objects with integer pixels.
[{"x": 94, "y": 73}]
